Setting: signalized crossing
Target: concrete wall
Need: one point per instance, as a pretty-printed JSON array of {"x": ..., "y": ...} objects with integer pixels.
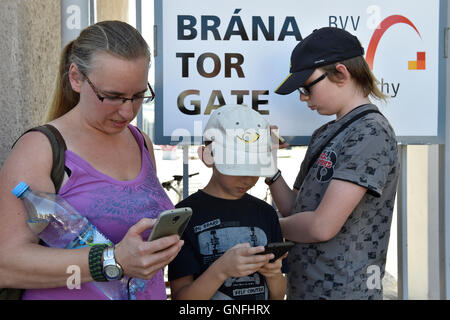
[{"x": 29, "y": 52}]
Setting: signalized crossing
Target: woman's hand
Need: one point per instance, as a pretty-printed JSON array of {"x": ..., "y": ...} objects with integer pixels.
[{"x": 142, "y": 259}]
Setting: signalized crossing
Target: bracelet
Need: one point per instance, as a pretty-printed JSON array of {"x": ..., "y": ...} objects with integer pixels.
[
  {"x": 269, "y": 180},
  {"x": 96, "y": 262}
]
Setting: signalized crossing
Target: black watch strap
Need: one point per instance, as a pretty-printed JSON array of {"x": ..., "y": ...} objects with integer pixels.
[
  {"x": 270, "y": 180},
  {"x": 96, "y": 262}
]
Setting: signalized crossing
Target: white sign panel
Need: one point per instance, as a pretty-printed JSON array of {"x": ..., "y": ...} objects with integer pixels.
[{"x": 216, "y": 52}]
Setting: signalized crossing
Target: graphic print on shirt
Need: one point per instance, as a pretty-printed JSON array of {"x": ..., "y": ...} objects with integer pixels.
[
  {"x": 216, "y": 240},
  {"x": 326, "y": 163}
]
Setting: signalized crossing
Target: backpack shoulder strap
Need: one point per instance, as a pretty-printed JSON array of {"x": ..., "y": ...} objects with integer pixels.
[
  {"x": 342, "y": 128},
  {"x": 58, "y": 149},
  {"x": 143, "y": 137}
]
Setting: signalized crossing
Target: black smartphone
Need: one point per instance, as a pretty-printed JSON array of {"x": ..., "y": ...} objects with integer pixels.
[
  {"x": 278, "y": 249},
  {"x": 171, "y": 222}
]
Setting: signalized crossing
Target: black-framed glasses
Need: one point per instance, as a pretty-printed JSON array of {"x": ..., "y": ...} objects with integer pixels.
[
  {"x": 111, "y": 100},
  {"x": 306, "y": 88}
]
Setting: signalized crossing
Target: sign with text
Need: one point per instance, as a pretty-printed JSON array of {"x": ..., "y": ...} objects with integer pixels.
[{"x": 211, "y": 53}]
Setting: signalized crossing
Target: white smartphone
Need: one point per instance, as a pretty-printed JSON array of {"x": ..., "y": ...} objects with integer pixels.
[
  {"x": 281, "y": 140},
  {"x": 171, "y": 222}
]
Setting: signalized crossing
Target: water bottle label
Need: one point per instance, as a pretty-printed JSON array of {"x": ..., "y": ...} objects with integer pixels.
[{"x": 89, "y": 238}]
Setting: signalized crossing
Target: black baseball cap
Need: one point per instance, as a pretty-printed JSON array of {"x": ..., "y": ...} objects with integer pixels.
[{"x": 322, "y": 47}]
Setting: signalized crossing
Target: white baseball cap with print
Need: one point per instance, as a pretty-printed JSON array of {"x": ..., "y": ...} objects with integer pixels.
[{"x": 241, "y": 142}]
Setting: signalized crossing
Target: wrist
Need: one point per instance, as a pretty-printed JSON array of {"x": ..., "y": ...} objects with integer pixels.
[
  {"x": 270, "y": 180},
  {"x": 273, "y": 275},
  {"x": 218, "y": 273}
]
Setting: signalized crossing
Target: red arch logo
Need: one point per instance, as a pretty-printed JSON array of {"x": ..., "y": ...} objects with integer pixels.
[{"x": 384, "y": 25}]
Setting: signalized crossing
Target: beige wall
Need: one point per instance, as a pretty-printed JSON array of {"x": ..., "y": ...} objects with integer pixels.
[
  {"x": 112, "y": 10},
  {"x": 30, "y": 46},
  {"x": 422, "y": 223},
  {"x": 417, "y": 221}
]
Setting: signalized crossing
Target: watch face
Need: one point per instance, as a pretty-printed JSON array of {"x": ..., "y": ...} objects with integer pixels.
[{"x": 112, "y": 272}]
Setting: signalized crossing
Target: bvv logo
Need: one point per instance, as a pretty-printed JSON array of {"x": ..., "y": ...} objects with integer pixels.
[{"x": 418, "y": 64}]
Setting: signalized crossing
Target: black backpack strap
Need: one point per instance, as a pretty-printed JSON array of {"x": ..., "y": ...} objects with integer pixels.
[
  {"x": 58, "y": 149},
  {"x": 342, "y": 128},
  {"x": 145, "y": 143}
]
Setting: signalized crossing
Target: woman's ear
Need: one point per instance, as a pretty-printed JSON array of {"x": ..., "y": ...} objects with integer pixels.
[
  {"x": 75, "y": 78},
  {"x": 205, "y": 154}
]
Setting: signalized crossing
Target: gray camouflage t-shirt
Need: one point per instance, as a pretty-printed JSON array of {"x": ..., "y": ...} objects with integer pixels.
[{"x": 352, "y": 264}]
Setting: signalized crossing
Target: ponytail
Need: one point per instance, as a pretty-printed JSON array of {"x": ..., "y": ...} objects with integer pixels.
[{"x": 64, "y": 98}]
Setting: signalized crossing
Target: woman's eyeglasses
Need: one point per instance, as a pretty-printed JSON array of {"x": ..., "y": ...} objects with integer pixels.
[
  {"x": 306, "y": 88},
  {"x": 110, "y": 100}
]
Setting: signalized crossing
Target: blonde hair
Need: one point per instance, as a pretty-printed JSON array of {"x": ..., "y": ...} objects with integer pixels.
[
  {"x": 361, "y": 73},
  {"x": 113, "y": 37}
]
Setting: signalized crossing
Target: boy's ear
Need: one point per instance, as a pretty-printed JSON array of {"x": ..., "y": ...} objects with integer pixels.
[
  {"x": 343, "y": 74},
  {"x": 205, "y": 154}
]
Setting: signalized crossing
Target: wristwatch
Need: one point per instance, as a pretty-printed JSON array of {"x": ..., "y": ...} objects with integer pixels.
[
  {"x": 112, "y": 270},
  {"x": 270, "y": 180}
]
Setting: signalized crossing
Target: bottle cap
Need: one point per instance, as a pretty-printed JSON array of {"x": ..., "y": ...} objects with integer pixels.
[{"x": 20, "y": 189}]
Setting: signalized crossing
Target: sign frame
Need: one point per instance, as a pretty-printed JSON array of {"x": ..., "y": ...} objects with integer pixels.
[{"x": 296, "y": 140}]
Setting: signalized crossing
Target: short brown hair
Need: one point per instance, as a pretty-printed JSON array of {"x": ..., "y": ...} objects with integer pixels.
[{"x": 361, "y": 73}]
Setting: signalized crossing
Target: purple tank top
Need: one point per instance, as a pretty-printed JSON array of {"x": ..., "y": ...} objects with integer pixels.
[{"x": 113, "y": 206}]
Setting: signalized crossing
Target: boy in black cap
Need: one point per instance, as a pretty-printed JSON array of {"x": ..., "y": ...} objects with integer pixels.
[{"x": 340, "y": 210}]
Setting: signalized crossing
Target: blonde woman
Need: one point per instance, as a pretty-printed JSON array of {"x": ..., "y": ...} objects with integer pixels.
[{"x": 110, "y": 172}]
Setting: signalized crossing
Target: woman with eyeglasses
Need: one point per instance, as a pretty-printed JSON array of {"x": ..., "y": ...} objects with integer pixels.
[
  {"x": 339, "y": 211},
  {"x": 110, "y": 174}
]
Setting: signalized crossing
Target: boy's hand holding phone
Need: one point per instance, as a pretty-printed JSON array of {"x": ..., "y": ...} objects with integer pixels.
[
  {"x": 240, "y": 261},
  {"x": 272, "y": 269},
  {"x": 278, "y": 249}
]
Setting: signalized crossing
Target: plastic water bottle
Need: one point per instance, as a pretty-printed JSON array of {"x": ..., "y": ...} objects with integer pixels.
[{"x": 59, "y": 225}]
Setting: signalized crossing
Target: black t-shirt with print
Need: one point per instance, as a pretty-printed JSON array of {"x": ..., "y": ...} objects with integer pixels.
[{"x": 216, "y": 226}]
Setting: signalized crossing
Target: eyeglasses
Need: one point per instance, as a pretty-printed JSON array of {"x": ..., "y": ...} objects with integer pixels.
[
  {"x": 110, "y": 100},
  {"x": 306, "y": 88}
]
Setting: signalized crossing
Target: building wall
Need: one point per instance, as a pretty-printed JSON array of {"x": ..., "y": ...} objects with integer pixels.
[
  {"x": 29, "y": 51},
  {"x": 112, "y": 10}
]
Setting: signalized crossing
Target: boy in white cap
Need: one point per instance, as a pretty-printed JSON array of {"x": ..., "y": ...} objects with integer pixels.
[{"x": 229, "y": 227}]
